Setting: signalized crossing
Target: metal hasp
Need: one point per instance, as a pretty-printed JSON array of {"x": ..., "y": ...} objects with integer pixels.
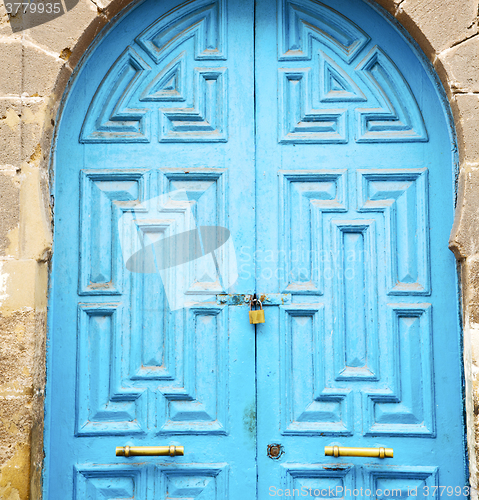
[
  {"x": 342, "y": 451},
  {"x": 149, "y": 451}
]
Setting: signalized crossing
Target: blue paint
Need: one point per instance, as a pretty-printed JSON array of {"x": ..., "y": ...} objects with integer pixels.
[{"x": 329, "y": 160}]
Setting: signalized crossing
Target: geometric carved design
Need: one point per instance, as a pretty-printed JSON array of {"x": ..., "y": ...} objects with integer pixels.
[
  {"x": 314, "y": 477},
  {"x": 304, "y": 21},
  {"x": 104, "y": 407},
  {"x": 205, "y": 190},
  {"x": 203, "y": 20},
  {"x": 304, "y": 197},
  {"x": 313, "y": 32},
  {"x": 310, "y": 406},
  {"x": 192, "y": 481},
  {"x": 402, "y": 196},
  {"x": 205, "y": 120},
  {"x": 406, "y": 406},
  {"x": 331, "y": 250},
  {"x": 337, "y": 84},
  {"x": 140, "y": 354},
  {"x": 169, "y": 84},
  {"x": 400, "y": 481},
  {"x": 110, "y": 482},
  {"x": 111, "y": 117},
  {"x": 355, "y": 300},
  {"x": 300, "y": 122},
  {"x": 133, "y": 92},
  {"x": 104, "y": 194},
  {"x": 139, "y": 481},
  {"x": 198, "y": 404},
  {"x": 398, "y": 118},
  {"x": 191, "y": 397}
]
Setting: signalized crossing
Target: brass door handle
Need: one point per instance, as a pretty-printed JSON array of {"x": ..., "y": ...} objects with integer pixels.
[
  {"x": 343, "y": 451},
  {"x": 149, "y": 451}
]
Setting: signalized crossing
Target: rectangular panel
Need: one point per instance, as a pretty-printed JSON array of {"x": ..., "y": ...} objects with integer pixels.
[
  {"x": 402, "y": 196},
  {"x": 308, "y": 406},
  {"x": 355, "y": 300},
  {"x": 304, "y": 197},
  {"x": 201, "y": 407},
  {"x": 104, "y": 194},
  {"x": 402, "y": 482},
  {"x": 317, "y": 481},
  {"x": 192, "y": 481},
  {"x": 110, "y": 482},
  {"x": 407, "y": 407},
  {"x": 208, "y": 272},
  {"x": 103, "y": 405}
]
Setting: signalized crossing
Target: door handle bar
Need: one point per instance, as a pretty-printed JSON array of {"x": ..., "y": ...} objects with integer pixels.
[
  {"x": 343, "y": 451},
  {"x": 149, "y": 451}
]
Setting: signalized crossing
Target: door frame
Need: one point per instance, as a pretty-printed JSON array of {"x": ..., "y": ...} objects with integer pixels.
[{"x": 120, "y": 8}]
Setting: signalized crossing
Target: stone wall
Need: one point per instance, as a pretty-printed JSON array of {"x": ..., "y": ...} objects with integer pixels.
[{"x": 36, "y": 65}]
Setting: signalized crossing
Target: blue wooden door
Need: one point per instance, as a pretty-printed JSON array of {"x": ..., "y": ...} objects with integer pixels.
[
  {"x": 156, "y": 140},
  {"x": 354, "y": 208},
  {"x": 209, "y": 150}
]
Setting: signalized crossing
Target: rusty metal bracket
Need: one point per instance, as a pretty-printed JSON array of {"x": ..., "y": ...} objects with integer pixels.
[{"x": 244, "y": 299}]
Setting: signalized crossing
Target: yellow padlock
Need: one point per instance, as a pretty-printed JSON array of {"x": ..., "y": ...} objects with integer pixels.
[{"x": 258, "y": 315}]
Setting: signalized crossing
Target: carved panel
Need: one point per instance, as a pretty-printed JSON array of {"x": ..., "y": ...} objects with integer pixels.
[
  {"x": 142, "y": 481},
  {"x": 192, "y": 481},
  {"x": 205, "y": 190},
  {"x": 317, "y": 101},
  {"x": 104, "y": 195},
  {"x": 200, "y": 406},
  {"x": 111, "y": 116},
  {"x": 303, "y": 21},
  {"x": 402, "y": 195},
  {"x": 317, "y": 480},
  {"x": 406, "y": 406},
  {"x": 401, "y": 482},
  {"x": 304, "y": 197},
  {"x": 398, "y": 118},
  {"x": 104, "y": 406},
  {"x": 110, "y": 482},
  {"x": 326, "y": 222},
  {"x": 190, "y": 102},
  {"x": 204, "y": 21},
  {"x": 356, "y": 333},
  {"x": 205, "y": 120},
  {"x": 309, "y": 406}
]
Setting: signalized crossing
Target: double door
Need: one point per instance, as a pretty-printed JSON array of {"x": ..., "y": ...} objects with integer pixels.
[{"x": 215, "y": 149}]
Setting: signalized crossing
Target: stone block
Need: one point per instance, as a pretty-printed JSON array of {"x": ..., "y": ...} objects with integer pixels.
[
  {"x": 15, "y": 471},
  {"x": 35, "y": 238},
  {"x": 464, "y": 240},
  {"x": 17, "y": 337},
  {"x": 17, "y": 285},
  {"x": 62, "y": 33},
  {"x": 9, "y": 213},
  {"x": 462, "y": 65},
  {"x": 466, "y": 113},
  {"x": 10, "y": 132},
  {"x": 33, "y": 116},
  {"x": 40, "y": 70},
  {"x": 442, "y": 23},
  {"x": 11, "y": 67}
]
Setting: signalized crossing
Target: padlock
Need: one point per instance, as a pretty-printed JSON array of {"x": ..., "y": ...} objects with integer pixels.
[{"x": 258, "y": 315}]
